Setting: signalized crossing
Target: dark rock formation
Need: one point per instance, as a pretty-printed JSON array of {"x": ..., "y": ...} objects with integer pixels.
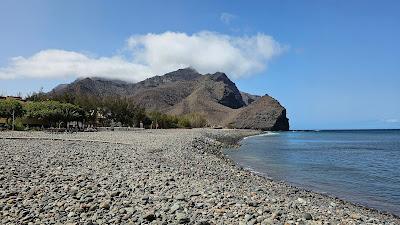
[
  {"x": 231, "y": 96},
  {"x": 266, "y": 114}
]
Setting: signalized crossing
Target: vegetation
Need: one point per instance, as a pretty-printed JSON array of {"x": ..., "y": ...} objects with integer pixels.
[
  {"x": 19, "y": 125},
  {"x": 92, "y": 110},
  {"x": 104, "y": 111},
  {"x": 165, "y": 121},
  {"x": 196, "y": 120},
  {"x": 122, "y": 110},
  {"x": 37, "y": 96},
  {"x": 54, "y": 113},
  {"x": 9, "y": 107},
  {"x": 160, "y": 120}
]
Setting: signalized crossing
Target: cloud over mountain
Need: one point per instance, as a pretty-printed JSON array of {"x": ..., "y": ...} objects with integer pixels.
[{"x": 153, "y": 54}]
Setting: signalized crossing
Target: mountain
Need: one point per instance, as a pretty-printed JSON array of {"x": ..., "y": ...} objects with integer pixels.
[{"x": 185, "y": 91}]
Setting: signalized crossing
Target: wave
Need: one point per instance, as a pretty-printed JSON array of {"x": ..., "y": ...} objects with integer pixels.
[{"x": 268, "y": 133}]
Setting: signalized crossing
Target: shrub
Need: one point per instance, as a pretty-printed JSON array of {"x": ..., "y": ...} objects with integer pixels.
[
  {"x": 165, "y": 121},
  {"x": 19, "y": 125},
  {"x": 184, "y": 122},
  {"x": 196, "y": 120}
]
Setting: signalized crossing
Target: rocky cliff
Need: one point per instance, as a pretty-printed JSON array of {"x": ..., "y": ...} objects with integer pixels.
[
  {"x": 266, "y": 113},
  {"x": 185, "y": 91}
]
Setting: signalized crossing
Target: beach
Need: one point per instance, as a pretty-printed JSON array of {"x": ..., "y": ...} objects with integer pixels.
[{"x": 177, "y": 176}]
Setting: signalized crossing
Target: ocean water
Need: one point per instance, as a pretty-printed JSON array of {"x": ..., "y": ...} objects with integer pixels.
[{"x": 361, "y": 166}]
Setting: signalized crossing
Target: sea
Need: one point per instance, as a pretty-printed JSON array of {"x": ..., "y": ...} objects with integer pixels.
[{"x": 361, "y": 166}]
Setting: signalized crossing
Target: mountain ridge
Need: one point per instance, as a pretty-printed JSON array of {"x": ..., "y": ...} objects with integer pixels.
[{"x": 186, "y": 91}]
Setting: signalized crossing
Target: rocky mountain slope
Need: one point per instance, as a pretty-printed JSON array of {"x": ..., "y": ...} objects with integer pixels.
[{"x": 185, "y": 91}]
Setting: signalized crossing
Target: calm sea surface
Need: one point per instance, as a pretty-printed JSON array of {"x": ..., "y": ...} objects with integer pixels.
[{"x": 361, "y": 166}]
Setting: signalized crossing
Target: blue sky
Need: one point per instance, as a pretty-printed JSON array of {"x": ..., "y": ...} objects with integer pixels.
[{"x": 337, "y": 64}]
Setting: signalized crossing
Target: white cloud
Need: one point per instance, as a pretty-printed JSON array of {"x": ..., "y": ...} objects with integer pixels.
[
  {"x": 391, "y": 121},
  {"x": 227, "y": 17},
  {"x": 154, "y": 54},
  {"x": 53, "y": 63}
]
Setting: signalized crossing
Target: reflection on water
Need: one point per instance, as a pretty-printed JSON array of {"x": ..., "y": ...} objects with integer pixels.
[{"x": 360, "y": 166}]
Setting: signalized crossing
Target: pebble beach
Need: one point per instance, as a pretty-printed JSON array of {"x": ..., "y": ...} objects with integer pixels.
[{"x": 152, "y": 177}]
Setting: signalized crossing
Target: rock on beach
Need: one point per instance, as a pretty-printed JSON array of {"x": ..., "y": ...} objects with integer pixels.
[{"x": 151, "y": 177}]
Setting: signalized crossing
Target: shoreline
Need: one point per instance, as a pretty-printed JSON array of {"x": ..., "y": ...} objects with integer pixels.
[
  {"x": 175, "y": 176},
  {"x": 300, "y": 187}
]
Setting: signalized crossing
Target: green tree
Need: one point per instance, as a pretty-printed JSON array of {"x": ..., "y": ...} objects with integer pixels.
[
  {"x": 54, "y": 112},
  {"x": 122, "y": 110},
  {"x": 70, "y": 112},
  {"x": 8, "y": 107},
  {"x": 140, "y": 116},
  {"x": 91, "y": 106}
]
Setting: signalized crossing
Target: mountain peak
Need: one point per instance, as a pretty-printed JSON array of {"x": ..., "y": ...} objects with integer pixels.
[
  {"x": 183, "y": 74},
  {"x": 186, "y": 74},
  {"x": 219, "y": 76},
  {"x": 188, "y": 69}
]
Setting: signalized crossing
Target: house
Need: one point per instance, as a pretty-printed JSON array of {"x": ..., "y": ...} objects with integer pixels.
[{"x": 13, "y": 97}]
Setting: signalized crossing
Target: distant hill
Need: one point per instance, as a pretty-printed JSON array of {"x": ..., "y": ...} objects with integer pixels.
[{"x": 185, "y": 91}]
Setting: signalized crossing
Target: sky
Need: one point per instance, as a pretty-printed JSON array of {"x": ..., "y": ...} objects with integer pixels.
[{"x": 332, "y": 64}]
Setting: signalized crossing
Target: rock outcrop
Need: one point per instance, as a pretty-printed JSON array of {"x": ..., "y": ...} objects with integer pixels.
[
  {"x": 265, "y": 113},
  {"x": 229, "y": 94},
  {"x": 185, "y": 91}
]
